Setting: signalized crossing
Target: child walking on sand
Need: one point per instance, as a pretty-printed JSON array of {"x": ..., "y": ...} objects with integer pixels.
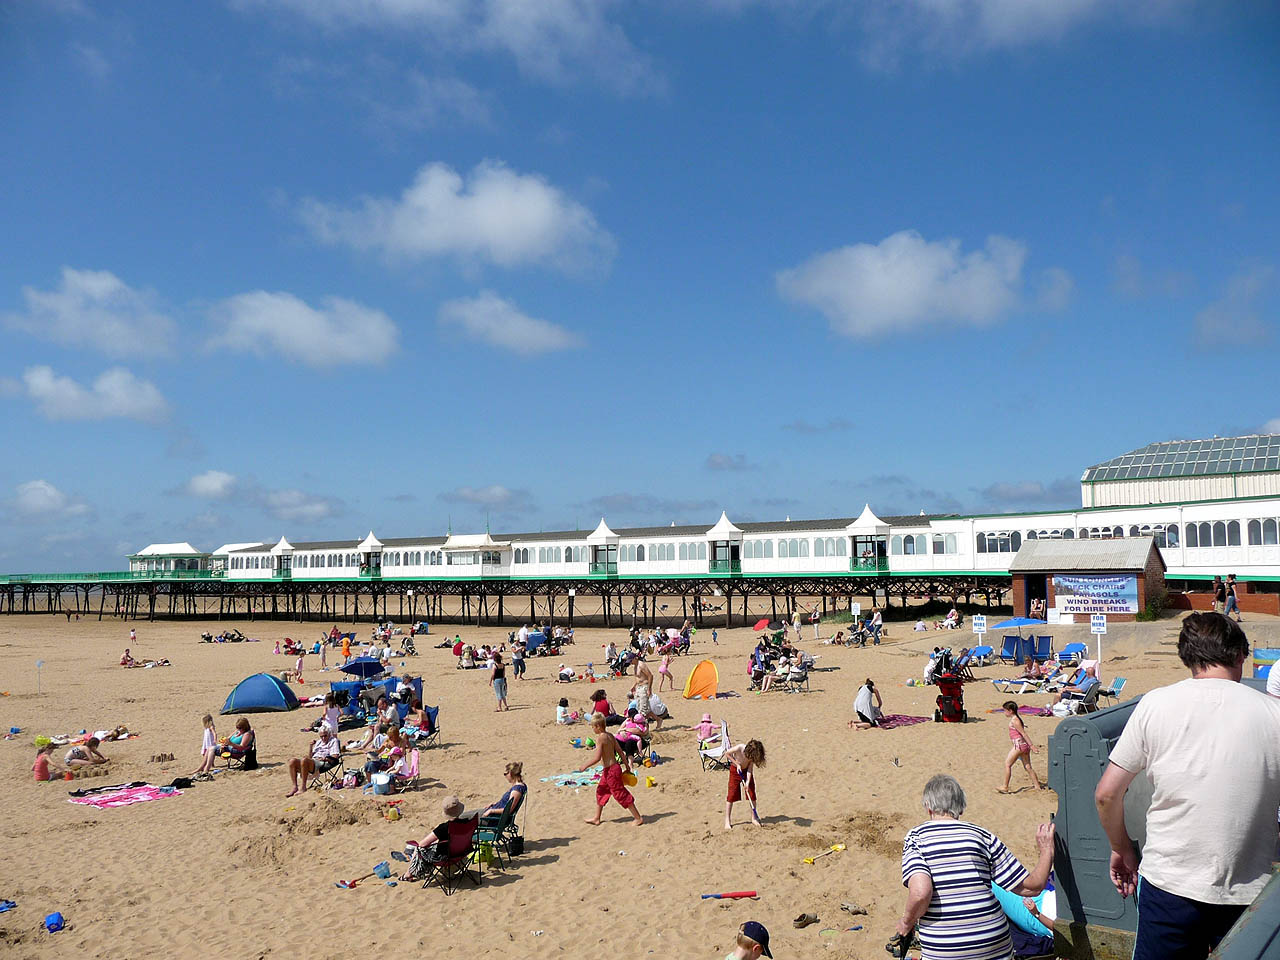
[
  {"x": 743, "y": 760},
  {"x": 608, "y": 753},
  {"x": 208, "y": 747},
  {"x": 1021, "y": 749},
  {"x": 664, "y": 671}
]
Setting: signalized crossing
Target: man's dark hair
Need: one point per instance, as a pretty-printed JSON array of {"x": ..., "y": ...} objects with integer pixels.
[{"x": 1211, "y": 639}]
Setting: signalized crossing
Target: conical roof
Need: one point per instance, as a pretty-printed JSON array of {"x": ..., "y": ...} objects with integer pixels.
[
  {"x": 725, "y": 529},
  {"x": 282, "y": 546},
  {"x": 601, "y": 533},
  {"x": 868, "y": 522},
  {"x": 369, "y": 543}
]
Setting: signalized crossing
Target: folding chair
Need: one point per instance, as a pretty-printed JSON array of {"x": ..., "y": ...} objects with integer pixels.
[
  {"x": 1043, "y": 649},
  {"x": 982, "y": 655},
  {"x": 325, "y": 779},
  {"x": 432, "y": 737},
  {"x": 499, "y": 831},
  {"x": 402, "y": 782},
  {"x": 1089, "y": 702},
  {"x": 448, "y": 873},
  {"x": 1009, "y": 648},
  {"x": 1114, "y": 691},
  {"x": 245, "y": 761},
  {"x": 712, "y": 756}
]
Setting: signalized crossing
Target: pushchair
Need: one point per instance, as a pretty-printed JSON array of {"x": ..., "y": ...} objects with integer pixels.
[
  {"x": 409, "y": 649},
  {"x": 950, "y": 700}
]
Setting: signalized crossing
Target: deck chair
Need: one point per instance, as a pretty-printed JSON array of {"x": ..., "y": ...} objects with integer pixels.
[
  {"x": 982, "y": 655},
  {"x": 245, "y": 761},
  {"x": 1024, "y": 685},
  {"x": 1089, "y": 702},
  {"x": 326, "y": 779},
  {"x": 797, "y": 681},
  {"x": 448, "y": 873},
  {"x": 1043, "y": 649},
  {"x": 712, "y": 756},
  {"x": 499, "y": 831},
  {"x": 402, "y": 782},
  {"x": 1058, "y": 681},
  {"x": 1073, "y": 653},
  {"x": 1114, "y": 691},
  {"x": 961, "y": 666},
  {"x": 432, "y": 737},
  {"x": 1009, "y": 648}
]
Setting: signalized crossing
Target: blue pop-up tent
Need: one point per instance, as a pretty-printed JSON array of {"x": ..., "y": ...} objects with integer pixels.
[{"x": 260, "y": 693}]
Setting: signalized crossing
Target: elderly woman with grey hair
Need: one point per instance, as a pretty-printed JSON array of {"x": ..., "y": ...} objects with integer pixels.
[{"x": 948, "y": 867}]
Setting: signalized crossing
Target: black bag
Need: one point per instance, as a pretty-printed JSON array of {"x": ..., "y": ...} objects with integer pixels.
[
  {"x": 181, "y": 783},
  {"x": 516, "y": 846}
]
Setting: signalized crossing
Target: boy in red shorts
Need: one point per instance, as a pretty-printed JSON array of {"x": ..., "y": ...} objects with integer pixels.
[
  {"x": 610, "y": 785},
  {"x": 743, "y": 760}
]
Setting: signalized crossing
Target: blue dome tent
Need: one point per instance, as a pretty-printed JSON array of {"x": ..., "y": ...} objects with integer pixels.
[{"x": 259, "y": 694}]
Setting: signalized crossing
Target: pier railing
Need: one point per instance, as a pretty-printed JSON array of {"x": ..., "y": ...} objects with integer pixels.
[{"x": 116, "y": 575}]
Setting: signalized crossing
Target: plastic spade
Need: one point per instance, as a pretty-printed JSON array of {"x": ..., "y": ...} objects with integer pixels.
[{"x": 835, "y": 848}]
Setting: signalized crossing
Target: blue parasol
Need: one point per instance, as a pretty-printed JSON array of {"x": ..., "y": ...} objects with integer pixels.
[
  {"x": 1019, "y": 622},
  {"x": 363, "y": 667}
]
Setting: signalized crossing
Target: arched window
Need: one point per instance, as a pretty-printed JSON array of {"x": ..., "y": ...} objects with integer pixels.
[
  {"x": 1219, "y": 534},
  {"x": 841, "y": 549},
  {"x": 1255, "y": 533},
  {"x": 1031, "y": 535},
  {"x": 1269, "y": 532},
  {"x": 804, "y": 548},
  {"x": 922, "y": 543},
  {"x": 768, "y": 549},
  {"x": 1083, "y": 534},
  {"x": 702, "y": 551},
  {"x": 684, "y": 551},
  {"x": 909, "y": 545},
  {"x": 1233, "y": 533},
  {"x": 819, "y": 547},
  {"x": 951, "y": 543},
  {"x": 1015, "y": 541},
  {"x": 1068, "y": 535},
  {"x": 639, "y": 553},
  {"x": 939, "y": 544},
  {"x": 982, "y": 543},
  {"x": 1133, "y": 531},
  {"x": 1172, "y": 534},
  {"x": 1193, "y": 534},
  {"x": 782, "y": 549},
  {"x": 895, "y": 544}
]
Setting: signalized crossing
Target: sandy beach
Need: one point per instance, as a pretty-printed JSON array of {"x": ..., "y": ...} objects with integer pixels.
[{"x": 235, "y": 869}]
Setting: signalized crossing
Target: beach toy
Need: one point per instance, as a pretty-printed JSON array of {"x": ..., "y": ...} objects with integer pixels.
[
  {"x": 649, "y": 781},
  {"x": 835, "y": 848},
  {"x": 54, "y": 922},
  {"x": 576, "y": 741},
  {"x": 590, "y": 742},
  {"x": 629, "y": 779},
  {"x": 393, "y": 814},
  {"x": 382, "y": 870},
  {"x": 15, "y": 729},
  {"x": 739, "y": 895}
]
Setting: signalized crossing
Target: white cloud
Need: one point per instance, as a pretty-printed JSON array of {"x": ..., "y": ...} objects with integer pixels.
[
  {"x": 116, "y": 393},
  {"x": 728, "y": 461},
  {"x": 1234, "y": 319},
  {"x": 507, "y": 218},
  {"x": 40, "y": 498},
  {"x": 432, "y": 101},
  {"x": 1271, "y": 426},
  {"x": 211, "y": 485},
  {"x": 550, "y": 40},
  {"x": 498, "y": 322},
  {"x": 338, "y": 332},
  {"x": 96, "y": 310},
  {"x": 296, "y": 505},
  {"x": 495, "y": 496},
  {"x": 1132, "y": 279},
  {"x": 1054, "y": 289},
  {"x": 906, "y": 281}
]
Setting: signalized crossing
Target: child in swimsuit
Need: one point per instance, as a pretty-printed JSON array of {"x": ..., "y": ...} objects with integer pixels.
[
  {"x": 664, "y": 671},
  {"x": 1021, "y": 749}
]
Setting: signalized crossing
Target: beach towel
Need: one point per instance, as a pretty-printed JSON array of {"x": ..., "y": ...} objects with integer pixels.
[
  {"x": 895, "y": 720},
  {"x": 575, "y": 779},
  {"x": 126, "y": 797}
]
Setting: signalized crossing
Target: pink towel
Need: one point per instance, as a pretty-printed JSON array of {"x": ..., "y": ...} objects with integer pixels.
[
  {"x": 123, "y": 798},
  {"x": 892, "y": 720}
]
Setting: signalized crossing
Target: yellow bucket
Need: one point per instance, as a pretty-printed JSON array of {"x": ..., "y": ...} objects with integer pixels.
[{"x": 629, "y": 779}]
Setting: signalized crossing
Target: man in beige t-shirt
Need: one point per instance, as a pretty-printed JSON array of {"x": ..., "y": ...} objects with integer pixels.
[{"x": 1211, "y": 747}]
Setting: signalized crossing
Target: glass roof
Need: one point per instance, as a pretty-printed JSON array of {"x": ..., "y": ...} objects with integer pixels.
[{"x": 1192, "y": 458}]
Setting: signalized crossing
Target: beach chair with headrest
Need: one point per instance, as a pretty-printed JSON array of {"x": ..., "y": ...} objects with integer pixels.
[
  {"x": 982, "y": 655},
  {"x": 1116, "y": 688},
  {"x": 431, "y": 738},
  {"x": 1043, "y": 649},
  {"x": 712, "y": 755},
  {"x": 499, "y": 831},
  {"x": 448, "y": 872},
  {"x": 1009, "y": 648}
]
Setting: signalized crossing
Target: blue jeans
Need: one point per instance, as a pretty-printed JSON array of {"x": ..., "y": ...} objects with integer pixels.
[
  {"x": 1231, "y": 605},
  {"x": 1171, "y": 927}
]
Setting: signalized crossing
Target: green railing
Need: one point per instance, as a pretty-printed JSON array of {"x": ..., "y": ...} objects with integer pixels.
[
  {"x": 281, "y": 574},
  {"x": 724, "y": 566},
  {"x": 604, "y": 568},
  {"x": 110, "y": 575},
  {"x": 371, "y": 573},
  {"x": 869, "y": 565}
]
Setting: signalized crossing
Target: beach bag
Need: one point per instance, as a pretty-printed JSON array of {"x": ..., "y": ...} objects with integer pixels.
[
  {"x": 483, "y": 854},
  {"x": 516, "y": 846}
]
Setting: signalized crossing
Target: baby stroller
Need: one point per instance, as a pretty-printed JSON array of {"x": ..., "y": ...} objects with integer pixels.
[
  {"x": 409, "y": 649},
  {"x": 950, "y": 700}
]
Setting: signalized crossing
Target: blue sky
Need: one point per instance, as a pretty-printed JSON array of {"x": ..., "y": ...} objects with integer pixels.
[{"x": 316, "y": 266}]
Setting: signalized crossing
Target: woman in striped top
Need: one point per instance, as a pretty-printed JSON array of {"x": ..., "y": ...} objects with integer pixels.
[{"x": 948, "y": 867}]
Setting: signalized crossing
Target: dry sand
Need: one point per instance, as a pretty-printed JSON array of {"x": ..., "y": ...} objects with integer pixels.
[{"x": 234, "y": 869}]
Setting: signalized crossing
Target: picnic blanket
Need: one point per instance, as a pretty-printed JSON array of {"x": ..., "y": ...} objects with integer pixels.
[
  {"x": 127, "y": 796},
  {"x": 577, "y": 778},
  {"x": 892, "y": 721}
]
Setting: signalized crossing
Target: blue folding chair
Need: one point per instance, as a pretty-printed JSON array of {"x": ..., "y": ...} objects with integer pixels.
[
  {"x": 981, "y": 655},
  {"x": 1043, "y": 649},
  {"x": 1009, "y": 648},
  {"x": 1073, "y": 653},
  {"x": 1116, "y": 688}
]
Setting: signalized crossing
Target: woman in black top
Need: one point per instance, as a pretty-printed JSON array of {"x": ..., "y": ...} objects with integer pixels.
[{"x": 498, "y": 680}]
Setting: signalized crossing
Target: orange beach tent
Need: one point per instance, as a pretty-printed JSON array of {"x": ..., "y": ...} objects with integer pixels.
[{"x": 702, "y": 681}]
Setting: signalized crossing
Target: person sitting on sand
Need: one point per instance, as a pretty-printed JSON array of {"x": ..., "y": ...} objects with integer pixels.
[
  {"x": 127, "y": 660},
  {"x": 325, "y": 754},
  {"x": 608, "y": 753},
  {"x": 84, "y": 754},
  {"x": 564, "y": 674},
  {"x": 631, "y": 734},
  {"x": 869, "y": 707},
  {"x": 563, "y": 715},
  {"x": 41, "y": 767},
  {"x": 920, "y": 626},
  {"x": 514, "y": 773},
  {"x": 434, "y": 847},
  {"x": 599, "y": 703}
]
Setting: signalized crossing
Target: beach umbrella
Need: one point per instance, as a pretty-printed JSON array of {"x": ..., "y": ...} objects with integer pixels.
[
  {"x": 776, "y": 625},
  {"x": 363, "y": 667},
  {"x": 1019, "y": 622},
  {"x": 761, "y": 624}
]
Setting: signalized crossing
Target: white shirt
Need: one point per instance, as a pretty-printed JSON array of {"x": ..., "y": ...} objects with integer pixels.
[
  {"x": 1212, "y": 751},
  {"x": 333, "y": 716},
  {"x": 523, "y": 634},
  {"x": 209, "y": 742},
  {"x": 864, "y": 702},
  {"x": 1273, "y": 681}
]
